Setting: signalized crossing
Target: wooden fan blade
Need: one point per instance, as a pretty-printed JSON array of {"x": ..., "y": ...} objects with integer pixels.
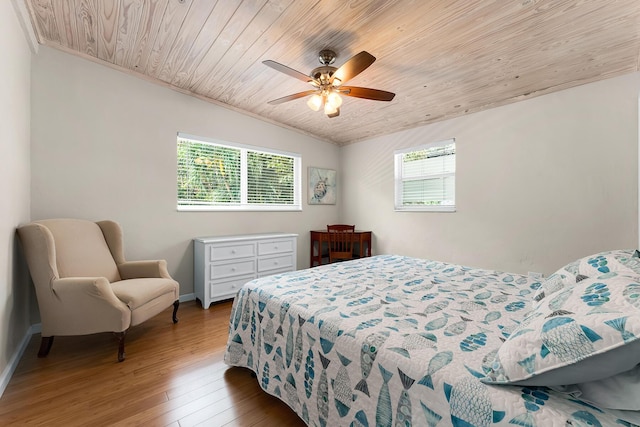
[
  {"x": 366, "y": 93},
  {"x": 290, "y": 72},
  {"x": 353, "y": 67},
  {"x": 292, "y": 97}
]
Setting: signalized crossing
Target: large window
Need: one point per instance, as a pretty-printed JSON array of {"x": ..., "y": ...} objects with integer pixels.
[
  {"x": 215, "y": 175},
  {"x": 425, "y": 177}
]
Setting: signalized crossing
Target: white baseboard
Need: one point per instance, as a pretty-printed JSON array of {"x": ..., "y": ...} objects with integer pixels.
[
  {"x": 187, "y": 297},
  {"x": 8, "y": 371}
]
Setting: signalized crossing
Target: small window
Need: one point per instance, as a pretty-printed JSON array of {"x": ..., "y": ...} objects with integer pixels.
[
  {"x": 215, "y": 175},
  {"x": 425, "y": 177}
]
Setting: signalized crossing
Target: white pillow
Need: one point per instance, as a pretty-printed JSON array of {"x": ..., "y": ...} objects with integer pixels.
[{"x": 621, "y": 391}]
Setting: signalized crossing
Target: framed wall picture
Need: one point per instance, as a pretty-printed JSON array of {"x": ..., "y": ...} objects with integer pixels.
[{"x": 322, "y": 186}]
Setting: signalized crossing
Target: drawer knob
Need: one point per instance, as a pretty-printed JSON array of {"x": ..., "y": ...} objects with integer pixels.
[
  {"x": 233, "y": 286},
  {"x": 276, "y": 262},
  {"x": 276, "y": 247},
  {"x": 233, "y": 269},
  {"x": 233, "y": 251}
]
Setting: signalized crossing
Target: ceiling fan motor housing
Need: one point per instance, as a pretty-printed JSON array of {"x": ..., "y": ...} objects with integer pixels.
[
  {"x": 327, "y": 57},
  {"x": 323, "y": 74}
]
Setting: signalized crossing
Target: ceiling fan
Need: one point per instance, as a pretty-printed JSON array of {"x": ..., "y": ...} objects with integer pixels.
[{"x": 327, "y": 82}]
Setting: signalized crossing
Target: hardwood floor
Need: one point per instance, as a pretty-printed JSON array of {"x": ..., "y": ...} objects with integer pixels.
[{"x": 173, "y": 375}]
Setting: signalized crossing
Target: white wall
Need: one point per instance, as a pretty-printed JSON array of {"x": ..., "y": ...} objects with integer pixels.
[
  {"x": 104, "y": 147},
  {"x": 15, "y": 291},
  {"x": 539, "y": 183}
]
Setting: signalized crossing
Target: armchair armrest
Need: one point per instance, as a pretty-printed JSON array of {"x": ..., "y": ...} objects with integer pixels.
[
  {"x": 83, "y": 290},
  {"x": 143, "y": 269},
  {"x": 83, "y": 305}
]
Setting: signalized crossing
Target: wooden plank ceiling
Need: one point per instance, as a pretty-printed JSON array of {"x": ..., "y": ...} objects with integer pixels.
[{"x": 441, "y": 58}]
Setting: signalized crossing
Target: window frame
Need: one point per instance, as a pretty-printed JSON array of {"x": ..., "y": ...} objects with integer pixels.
[
  {"x": 244, "y": 205},
  {"x": 399, "y": 179}
]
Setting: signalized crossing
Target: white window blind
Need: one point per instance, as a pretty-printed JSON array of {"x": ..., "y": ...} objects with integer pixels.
[
  {"x": 215, "y": 175},
  {"x": 425, "y": 177}
]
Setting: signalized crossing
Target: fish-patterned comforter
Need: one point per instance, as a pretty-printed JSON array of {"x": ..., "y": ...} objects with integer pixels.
[{"x": 392, "y": 340}]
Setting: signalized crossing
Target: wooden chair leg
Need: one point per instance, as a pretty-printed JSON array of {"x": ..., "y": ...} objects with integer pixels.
[
  {"x": 175, "y": 310},
  {"x": 120, "y": 336},
  {"x": 45, "y": 346}
]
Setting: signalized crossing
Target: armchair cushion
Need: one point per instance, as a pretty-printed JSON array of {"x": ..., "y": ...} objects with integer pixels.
[{"x": 137, "y": 292}]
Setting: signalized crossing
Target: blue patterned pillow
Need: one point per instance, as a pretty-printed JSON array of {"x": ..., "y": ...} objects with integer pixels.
[
  {"x": 587, "y": 332},
  {"x": 619, "y": 261},
  {"x": 564, "y": 277}
]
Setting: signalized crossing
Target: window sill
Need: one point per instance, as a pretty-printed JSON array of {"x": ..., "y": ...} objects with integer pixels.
[
  {"x": 239, "y": 209},
  {"x": 445, "y": 209}
]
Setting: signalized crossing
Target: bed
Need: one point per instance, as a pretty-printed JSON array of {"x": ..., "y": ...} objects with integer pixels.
[{"x": 394, "y": 340}]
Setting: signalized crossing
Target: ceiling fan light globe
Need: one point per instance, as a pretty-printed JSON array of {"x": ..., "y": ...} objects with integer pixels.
[
  {"x": 315, "y": 102},
  {"x": 329, "y": 109},
  {"x": 334, "y": 100}
]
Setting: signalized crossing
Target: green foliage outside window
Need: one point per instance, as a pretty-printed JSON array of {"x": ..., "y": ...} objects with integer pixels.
[
  {"x": 270, "y": 178},
  {"x": 207, "y": 173},
  {"x": 211, "y": 174}
]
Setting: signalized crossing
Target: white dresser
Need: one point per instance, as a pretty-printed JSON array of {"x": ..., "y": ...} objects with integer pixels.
[{"x": 222, "y": 264}]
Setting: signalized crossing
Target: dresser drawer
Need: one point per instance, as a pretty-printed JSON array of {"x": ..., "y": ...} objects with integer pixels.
[
  {"x": 275, "y": 247},
  {"x": 275, "y": 263},
  {"x": 223, "y": 264},
  {"x": 233, "y": 269},
  {"x": 238, "y": 250},
  {"x": 229, "y": 287}
]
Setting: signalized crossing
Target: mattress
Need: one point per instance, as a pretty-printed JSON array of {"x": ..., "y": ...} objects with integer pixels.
[{"x": 393, "y": 340}]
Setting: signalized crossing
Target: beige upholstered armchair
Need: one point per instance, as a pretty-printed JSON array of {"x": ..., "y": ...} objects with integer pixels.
[{"x": 85, "y": 286}]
